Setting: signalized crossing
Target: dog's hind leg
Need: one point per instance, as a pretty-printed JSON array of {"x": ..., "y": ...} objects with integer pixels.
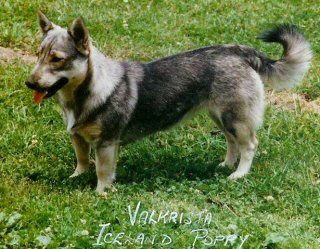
[
  {"x": 82, "y": 149},
  {"x": 237, "y": 102},
  {"x": 232, "y": 152},
  {"x": 232, "y": 146},
  {"x": 248, "y": 143},
  {"x": 106, "y": 157},
  {"x": 245, "y": 118},
  {"x": 239, "y": 122}
]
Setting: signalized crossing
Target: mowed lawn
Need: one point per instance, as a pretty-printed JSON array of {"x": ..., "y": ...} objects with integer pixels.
[{"x": 171, "y": 179}]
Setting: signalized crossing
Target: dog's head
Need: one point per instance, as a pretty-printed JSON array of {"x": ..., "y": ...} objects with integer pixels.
[{"x": 62, "y": 58}]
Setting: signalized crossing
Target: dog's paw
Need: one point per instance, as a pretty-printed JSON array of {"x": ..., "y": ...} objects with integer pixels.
[
  {"x": 222, "y": 165},
  {"x": 75, "y": 174},
  {"x": 225, "y": 164},
  {"x": 78, "y": 171},
  {"x": 113, "y": 189},
  {"x": 236, "y": 175},
  {"x": 102, "y": 194}
]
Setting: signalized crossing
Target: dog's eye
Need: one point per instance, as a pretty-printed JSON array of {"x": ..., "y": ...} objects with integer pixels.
[{"x": 56, "y": 59}]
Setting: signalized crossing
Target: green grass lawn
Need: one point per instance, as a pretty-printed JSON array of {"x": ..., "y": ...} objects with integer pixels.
[{"x": 277, "y": 205}]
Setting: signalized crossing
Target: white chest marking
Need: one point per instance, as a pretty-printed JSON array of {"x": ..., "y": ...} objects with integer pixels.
[{"x": 69, "y": 116}]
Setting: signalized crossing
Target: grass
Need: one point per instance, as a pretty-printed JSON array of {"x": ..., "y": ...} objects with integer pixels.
[{"x": 278, "y": 204}]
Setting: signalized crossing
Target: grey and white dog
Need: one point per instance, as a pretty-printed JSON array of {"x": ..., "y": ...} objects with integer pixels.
[{"x": 108, "y": 103}]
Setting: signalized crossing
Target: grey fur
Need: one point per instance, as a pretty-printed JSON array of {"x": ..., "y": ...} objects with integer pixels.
[
  {"x": 112, "y": 103},
  {"x": 290, "y": 69}
]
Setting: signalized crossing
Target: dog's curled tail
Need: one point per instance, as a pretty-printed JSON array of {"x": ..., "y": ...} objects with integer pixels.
[{"x": 290, "y": 69}]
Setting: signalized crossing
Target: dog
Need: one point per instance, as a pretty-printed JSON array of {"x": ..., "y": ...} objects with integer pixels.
[{"x": 108, "y": 103}]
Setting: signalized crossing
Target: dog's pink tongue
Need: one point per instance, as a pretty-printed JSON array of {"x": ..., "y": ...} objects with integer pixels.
[{"x": 38, "y": 97}]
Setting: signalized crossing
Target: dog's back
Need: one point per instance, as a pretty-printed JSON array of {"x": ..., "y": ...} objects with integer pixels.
[{"x": 220, "y": 76}]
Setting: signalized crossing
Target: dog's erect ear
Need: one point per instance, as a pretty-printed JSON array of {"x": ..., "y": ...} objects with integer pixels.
[
  {"x": 80, "y": 35},
  {"x": 44, "y": 23}
]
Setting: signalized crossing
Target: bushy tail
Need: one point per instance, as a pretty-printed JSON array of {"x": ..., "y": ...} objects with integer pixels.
[{"x": 290, "y": 69}]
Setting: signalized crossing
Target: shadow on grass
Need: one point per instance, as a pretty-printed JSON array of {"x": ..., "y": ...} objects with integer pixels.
[
  {"x": 168, "y": 166},
  {"x": 146, "y": 167}
]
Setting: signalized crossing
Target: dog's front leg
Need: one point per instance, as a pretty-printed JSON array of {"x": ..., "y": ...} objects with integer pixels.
[
  {"x": 82, "y": 149},
  {"x": 106, "y": 157}
]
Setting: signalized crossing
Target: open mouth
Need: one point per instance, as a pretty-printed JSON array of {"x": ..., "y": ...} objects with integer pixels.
[{"x": 41, "y": 92}]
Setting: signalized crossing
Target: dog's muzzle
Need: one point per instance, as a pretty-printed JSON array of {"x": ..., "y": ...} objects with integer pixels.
[{"x": 50, "y": 90}]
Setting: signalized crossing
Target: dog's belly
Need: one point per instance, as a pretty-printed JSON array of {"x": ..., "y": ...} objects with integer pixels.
[
  {"x": 163, "y": 104},
  {"x": 145, "y": 122}
]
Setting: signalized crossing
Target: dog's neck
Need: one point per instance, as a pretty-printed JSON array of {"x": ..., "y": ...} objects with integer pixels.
[{"x": 80, "y": 99}]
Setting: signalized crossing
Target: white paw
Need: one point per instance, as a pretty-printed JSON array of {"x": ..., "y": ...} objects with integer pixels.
[
  {"x": 113, "y": 189},
  {"x": 75, "y": 173},
  {"x": 109, "y": 188},
  {"x": 102, "y": 194},
  {"x": 226, "y": 165},
  {"x": 222, "y": 165},
  {"x": 236, "y": 175},
  {"x": 78, "y": 171}
]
